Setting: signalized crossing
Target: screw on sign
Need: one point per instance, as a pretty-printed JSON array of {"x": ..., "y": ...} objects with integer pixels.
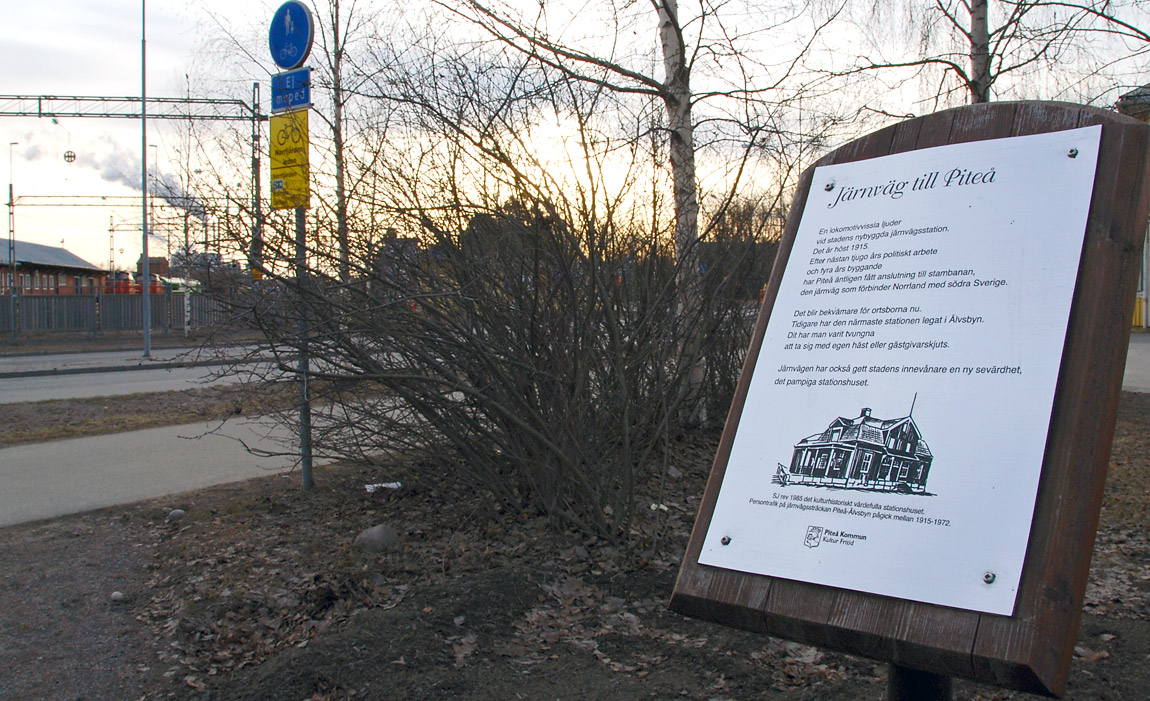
[{"x": 69, "y": 156}]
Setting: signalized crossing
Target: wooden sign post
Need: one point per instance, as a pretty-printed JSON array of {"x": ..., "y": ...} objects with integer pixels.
[{"x": 966, "y": 278}]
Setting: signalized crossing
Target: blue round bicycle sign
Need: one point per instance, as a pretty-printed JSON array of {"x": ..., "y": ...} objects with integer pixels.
[{"x": 291, "y": 35}]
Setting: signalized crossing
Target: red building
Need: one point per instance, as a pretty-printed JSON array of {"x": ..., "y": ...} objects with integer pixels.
[
  {"x": 156, "y": 266},
  {"x": 47, "y": 270}
]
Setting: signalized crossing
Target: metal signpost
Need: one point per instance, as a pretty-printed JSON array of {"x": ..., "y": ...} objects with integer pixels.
[{"x": 289, "y": 40}]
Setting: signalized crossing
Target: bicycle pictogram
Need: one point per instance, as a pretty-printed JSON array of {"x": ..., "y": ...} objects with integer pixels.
[
  {"x": 289, "y": 132},
  {"x": 289, "y": 51}
]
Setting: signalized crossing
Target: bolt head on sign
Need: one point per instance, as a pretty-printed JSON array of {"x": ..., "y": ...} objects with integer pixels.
[{"x": 291, "y": 34}]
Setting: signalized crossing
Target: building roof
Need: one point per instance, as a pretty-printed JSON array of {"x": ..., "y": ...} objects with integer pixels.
[
  {"x": 28, "y": 253},
  {"x": 866, "y": 428}
]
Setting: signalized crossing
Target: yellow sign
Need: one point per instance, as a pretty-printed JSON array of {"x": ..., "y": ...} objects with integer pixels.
[{"x": 289, "y": 154}]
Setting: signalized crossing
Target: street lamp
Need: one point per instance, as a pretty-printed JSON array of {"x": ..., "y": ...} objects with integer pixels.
[
  {"x": 12, "y": 248},
  {"x": 145, "y": 272}
]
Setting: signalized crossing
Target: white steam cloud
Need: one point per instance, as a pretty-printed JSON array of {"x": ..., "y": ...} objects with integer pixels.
[{"x": 123, "y": 167}]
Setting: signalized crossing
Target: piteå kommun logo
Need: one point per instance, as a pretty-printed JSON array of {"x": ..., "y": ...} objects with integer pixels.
[{"x": 814, "y": 536}]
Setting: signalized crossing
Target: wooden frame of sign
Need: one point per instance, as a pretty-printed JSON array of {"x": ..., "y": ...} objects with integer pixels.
[{"x": 1031, "y": 649}]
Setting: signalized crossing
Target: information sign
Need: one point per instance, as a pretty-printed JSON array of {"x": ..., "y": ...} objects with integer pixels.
[
  {"x": 291, "y": 90},
  {"x": 291, "y": 34},
  {"x": 884, "y": 445},
  {"x": 289, "y": 160},
  {"x": 913, "y": 464}
]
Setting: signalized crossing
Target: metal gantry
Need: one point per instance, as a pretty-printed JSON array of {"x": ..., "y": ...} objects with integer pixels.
[
  {"x": 187, "y": 108},
  {"x": 200, "y": 109}
]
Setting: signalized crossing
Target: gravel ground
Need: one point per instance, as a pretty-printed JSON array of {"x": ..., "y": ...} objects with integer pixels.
[{"x": 258, "y": 592}]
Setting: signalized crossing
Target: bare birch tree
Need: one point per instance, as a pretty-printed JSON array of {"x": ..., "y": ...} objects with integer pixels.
[
  {"x": 344, "y": 25},
  {"x": 703, "y": 44},
  {"x": 978, "y": 48}
]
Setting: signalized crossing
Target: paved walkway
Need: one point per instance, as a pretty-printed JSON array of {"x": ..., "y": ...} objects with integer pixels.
[
  {"x": 1137, "y": 377},
  {"x": 37, "y": 377},
  {"x": 45, "y": 480},
  {"x": 42, "y": 364}
]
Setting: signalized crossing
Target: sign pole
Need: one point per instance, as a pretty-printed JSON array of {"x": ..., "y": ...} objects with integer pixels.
[
  {"x": 906, "y": 684},
  {"x": 289, "y": 40},
  {"x": 301, "y": 275}
]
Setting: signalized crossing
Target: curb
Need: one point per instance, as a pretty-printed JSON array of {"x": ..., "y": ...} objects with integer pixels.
[{"x": 164, "y": 365}]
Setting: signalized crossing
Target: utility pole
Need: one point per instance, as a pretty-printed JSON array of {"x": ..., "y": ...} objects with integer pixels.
[
  {"x": 12, "y": 249},
  {"x": 256, "y": 254},
  {"x": 145, "y": 272}
]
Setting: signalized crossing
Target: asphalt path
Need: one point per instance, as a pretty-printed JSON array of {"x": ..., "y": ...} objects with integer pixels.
[
  {"x": 108, "y": 384},
  {"x": 1137, "y": 377},
  {"x": 45, "y": 480},
  {"x": 43, "y": 364},
  {"x": 88, "y": 360},
  {"x": 33, "y": 378}
]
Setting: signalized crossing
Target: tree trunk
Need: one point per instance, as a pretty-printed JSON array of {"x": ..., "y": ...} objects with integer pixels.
[
  {"x": 979, "y": 52},
  {"x": 337, "y": 97},
  {"x": 340, "y": 193},
  {"x": 677, "y": 98}
]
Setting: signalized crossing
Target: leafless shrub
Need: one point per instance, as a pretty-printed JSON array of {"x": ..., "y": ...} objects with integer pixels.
[{"x": 524, "y": 322}]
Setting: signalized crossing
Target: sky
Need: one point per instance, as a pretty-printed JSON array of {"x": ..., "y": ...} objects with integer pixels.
[
  {"x": 82, "y": 48},
  {"x": 79, "y": 47}
]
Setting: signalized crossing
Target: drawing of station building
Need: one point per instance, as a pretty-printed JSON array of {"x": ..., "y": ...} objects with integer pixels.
[{"x": 886, "y": 455}]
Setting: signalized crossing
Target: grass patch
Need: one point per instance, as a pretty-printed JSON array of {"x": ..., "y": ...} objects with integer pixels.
[{"x": 53, "y": 419}]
